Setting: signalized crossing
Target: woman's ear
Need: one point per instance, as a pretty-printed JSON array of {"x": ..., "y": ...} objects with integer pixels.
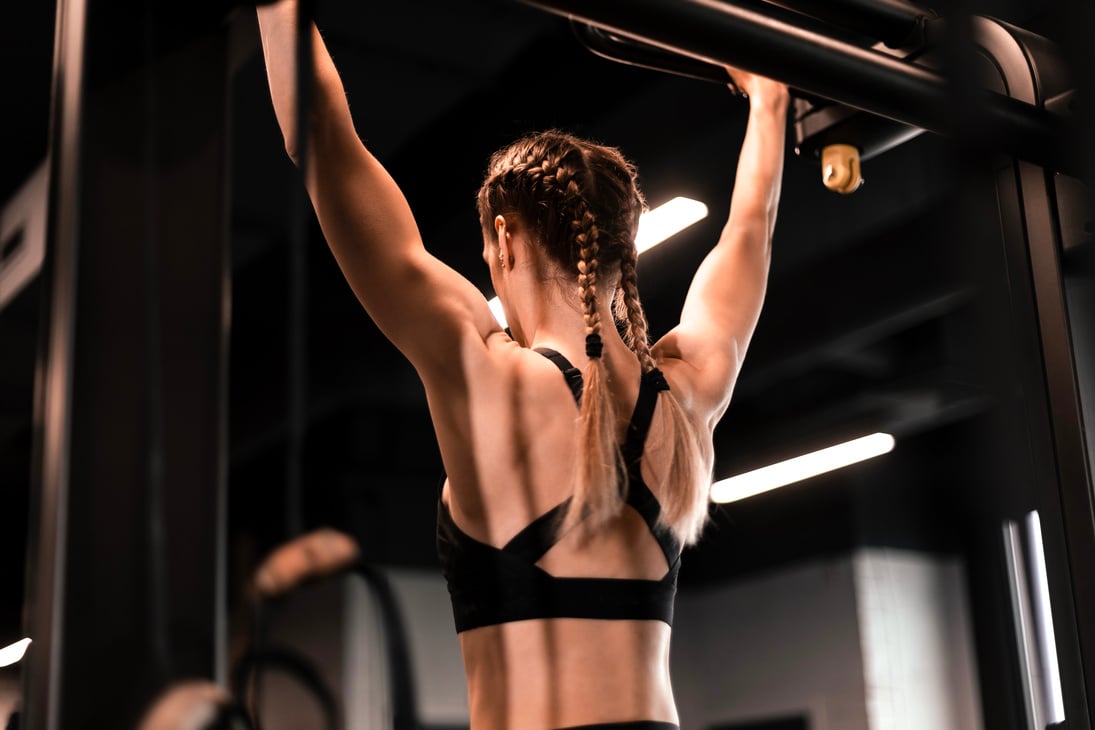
[{"x": 505, "y": 247}]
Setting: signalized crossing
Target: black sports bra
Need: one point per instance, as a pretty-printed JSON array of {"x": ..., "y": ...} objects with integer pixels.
[{"x": 490, "y": 585}]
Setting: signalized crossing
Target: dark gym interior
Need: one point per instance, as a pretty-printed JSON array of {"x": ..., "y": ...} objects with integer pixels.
[{"x": 897, "y": 308}]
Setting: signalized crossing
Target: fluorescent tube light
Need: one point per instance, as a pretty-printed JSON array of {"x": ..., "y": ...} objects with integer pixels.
[
  {"x": 496, "y": 309},
  {"x": 801, "y": 467},
  {"x": 1053, "y": 710},
  {"x": 1027, "y": 654},
  {"x": 13, "y": 652},
  {"x": 660, "y": 223},
  {"x": 655, "y": 226}
]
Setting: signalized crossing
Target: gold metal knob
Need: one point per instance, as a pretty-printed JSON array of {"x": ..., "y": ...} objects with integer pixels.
[{"x": 840, "y": 168}]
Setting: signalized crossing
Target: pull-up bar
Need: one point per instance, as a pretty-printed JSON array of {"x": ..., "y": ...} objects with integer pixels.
[
  {"x": 723, "y": 32},
  {"x": 893, "y": 22},
  {"x": 636, "y": 53}
]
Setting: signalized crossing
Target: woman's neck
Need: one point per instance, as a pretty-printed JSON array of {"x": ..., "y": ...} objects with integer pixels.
[
  {"x": 552, "y": 317},
  {"x": 545, "y": 310}
]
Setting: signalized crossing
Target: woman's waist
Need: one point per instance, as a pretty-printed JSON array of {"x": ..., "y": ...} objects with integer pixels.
[{"x": 556, "y": 673}]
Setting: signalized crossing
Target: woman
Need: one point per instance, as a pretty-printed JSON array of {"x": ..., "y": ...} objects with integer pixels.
[{"x": 569, "y": 496}]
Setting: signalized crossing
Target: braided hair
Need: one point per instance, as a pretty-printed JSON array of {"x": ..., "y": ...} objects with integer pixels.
[{"x": 581, "y": 202}]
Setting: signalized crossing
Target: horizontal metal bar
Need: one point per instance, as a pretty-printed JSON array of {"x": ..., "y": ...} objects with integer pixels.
[
  {"x": 893, "y": 22},
  {"x": 636, "y": 53},
  {"x": 725, "y": 33},
  {"x": 642, "y": 55}
]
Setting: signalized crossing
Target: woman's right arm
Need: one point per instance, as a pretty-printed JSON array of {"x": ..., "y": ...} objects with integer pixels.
[{"x": 424, "y": 307}]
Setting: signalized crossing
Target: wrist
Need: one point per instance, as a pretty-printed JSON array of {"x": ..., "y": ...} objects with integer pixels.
[{"x": 774, "y": 100}]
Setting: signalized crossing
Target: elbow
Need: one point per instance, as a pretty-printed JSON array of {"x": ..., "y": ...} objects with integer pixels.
[
  {"x": 291, "y": 152},
  {"x": 767, "y": 247},
  {"x": 318, "y": 124},
  {"x": 293, "y": 147}
]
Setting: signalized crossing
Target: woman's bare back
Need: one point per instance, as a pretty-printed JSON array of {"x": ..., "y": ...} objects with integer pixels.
[{"x": 557, "y": 672}]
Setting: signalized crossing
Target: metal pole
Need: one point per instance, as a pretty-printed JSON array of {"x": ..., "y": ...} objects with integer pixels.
[
  {"x": 893, "y": 22},
  {"x": 127, "y": 546}
]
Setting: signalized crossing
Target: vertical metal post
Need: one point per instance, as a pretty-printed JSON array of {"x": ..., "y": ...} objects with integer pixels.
[
  {"x": 1048, "y": 377},
  {"x": 1046, "y": 400},
  {"x": 127, "y": 541}
]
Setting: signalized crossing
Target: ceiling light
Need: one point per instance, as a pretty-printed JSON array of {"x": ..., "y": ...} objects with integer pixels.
[
  {"x": 655, "y": 226},
  {"x": 13, "y": 652},
  {"x": 660, "y": 223},
  {"x": 1053, "y": 700},
  {"x": 801, "y": 467},
  {"x": 496, "y": 309}
]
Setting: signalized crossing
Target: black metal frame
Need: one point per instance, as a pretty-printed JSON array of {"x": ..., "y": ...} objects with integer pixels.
[
  {"x": 151, "y": 500},
  {"x": 127, "y": 540},
  {"x": 896, "y": 23},
  {"x": 867, "y": 79},
  {"x": 1035, "y": 140}
]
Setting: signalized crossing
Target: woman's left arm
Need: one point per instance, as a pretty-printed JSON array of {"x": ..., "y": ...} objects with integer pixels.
[{"x": 705, "y": 351}]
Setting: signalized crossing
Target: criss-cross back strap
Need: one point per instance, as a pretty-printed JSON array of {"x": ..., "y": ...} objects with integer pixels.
[
  {"x": 540, "y": 535},
  {"x": 639, "y": 495}
]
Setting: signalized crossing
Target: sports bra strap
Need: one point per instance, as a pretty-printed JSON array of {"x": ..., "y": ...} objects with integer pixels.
[
  {"x": 538, "y": 537},
  {"x": 643, "y": 501},
  {"x": 572, "y": 374},
  {"x": 639, "y": 495},
  {"x": 652, "y": 383}
]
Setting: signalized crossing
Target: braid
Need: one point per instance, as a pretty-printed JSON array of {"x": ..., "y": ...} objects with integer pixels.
[
  {"x": 560, "y": 181},
  {"x": 636, "y": 331},
  {"x": 685, "y": 508},
  {"x": 585, "y": 239}
]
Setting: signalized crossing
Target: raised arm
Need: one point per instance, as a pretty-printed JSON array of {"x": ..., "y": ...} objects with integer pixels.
[
  {"x": 424, "y": 307},
  {"x": 705, "y": 351}
]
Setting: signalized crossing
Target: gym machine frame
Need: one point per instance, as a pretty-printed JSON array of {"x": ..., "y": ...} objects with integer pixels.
[
  {"x": 88, "y": 260},
  {"x": 1022, "y": 118},
  {"x": 127, "y": 538}
]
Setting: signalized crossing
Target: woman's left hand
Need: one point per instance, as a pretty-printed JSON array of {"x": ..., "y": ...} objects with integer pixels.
[{"x": 755, "y": 87}]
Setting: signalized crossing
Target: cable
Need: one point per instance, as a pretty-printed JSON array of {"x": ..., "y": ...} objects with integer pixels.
[
  {"x": 296, "y": 666},
  {"x": 325, "y": 554}
]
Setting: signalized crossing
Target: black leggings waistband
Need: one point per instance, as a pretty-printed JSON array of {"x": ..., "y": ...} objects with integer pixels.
[{"x": 637, "y": 725}]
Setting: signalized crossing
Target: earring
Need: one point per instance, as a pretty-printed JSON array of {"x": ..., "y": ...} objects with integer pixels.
[{"x": 502, "y": 260}]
